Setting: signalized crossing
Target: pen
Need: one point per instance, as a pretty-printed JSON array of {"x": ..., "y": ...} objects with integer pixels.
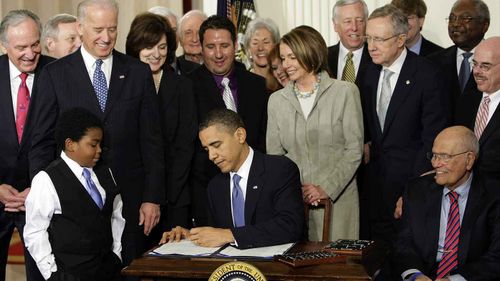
[{"x": 193, "y": 222}]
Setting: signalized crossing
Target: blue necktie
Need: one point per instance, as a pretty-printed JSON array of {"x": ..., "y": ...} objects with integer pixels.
[
  {"x": 238, "y": 202},
  {"x": 92, "y": 189},
  {"x": 463, "y": 75},
  {"x": 100, "y": 85}
]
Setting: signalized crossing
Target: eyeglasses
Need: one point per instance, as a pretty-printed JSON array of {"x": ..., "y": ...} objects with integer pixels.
[
  {"x": 484, "y": 67},
  {"x": 461, "y": 19},
  {"x": 443, "y": 156},
  {"x": 378, "y": 40}
]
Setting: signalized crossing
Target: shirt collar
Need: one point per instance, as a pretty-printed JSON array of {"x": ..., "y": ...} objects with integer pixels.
[
  {"x": 73, "y": 165},
  {"x": 89, "y": 60},
  {"x": 244, "y": 169},
  {"x": 398, "y": 63},
  {"x": 417, "y": 46},
  {"x": 494, "y": 96},
  {"x": 460, "y": 52},
  {"x": 343, "y": 51},
  {"x": 230, "y": 76},
  {"x": 13, "y": 71},
  {"x": 462, "y": 190}
]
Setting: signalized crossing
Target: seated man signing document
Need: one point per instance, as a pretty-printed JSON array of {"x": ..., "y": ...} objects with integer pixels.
[{"x": 255, "y": 202}]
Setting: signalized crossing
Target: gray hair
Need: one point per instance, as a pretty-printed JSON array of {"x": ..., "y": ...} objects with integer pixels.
[
  {"x": 51, "y": 28},
  {"x": 164, "y": 12},
  {"x": 14, "y": 18},
  {"x": 258, "y": 23},
  {"x": 479, "y": 7},
  {"x": 399, "y": 20},
  {"x": 186, "y": 16},
  {"x": 470, "y": 142},
  {"x": 342, "y": 3},
  {"x": 82, "y": 7}
]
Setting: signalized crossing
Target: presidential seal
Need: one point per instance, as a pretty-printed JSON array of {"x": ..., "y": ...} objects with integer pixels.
[{"x": 237, "y": 271}]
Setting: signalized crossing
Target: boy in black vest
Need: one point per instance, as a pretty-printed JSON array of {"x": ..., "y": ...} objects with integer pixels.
[{"x": 74, "y": 217}]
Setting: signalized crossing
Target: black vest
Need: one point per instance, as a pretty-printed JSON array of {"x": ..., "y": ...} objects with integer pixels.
[{"x": 81, "y": 236}]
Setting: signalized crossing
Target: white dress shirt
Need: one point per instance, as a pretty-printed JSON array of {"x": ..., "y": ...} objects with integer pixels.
[
  {"x": 395, "y": 67},
  {"x": 494, "y": 101},
  {"x": 243, "y": 172},
  {"x": 89, "y": 60},
  {"x": 356, "y": 59},
  {"x": 15, "y": 82},
  {"x": 460, "y": 58},
  {"x": 417, "y": 46},
  {"x": 42, "y": 203}
]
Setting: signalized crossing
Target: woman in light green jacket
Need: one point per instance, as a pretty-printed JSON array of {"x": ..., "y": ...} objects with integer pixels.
[{"x": 317, "y": 122}]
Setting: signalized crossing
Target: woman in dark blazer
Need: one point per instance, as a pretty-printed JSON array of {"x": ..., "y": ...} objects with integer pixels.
[{"x": 152, "y": 40}]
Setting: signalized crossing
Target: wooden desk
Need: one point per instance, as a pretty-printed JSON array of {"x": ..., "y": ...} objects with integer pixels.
[{"x": 155, "y": 267}]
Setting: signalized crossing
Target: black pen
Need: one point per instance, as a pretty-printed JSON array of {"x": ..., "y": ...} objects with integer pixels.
[{"x": 193, "y": 222}]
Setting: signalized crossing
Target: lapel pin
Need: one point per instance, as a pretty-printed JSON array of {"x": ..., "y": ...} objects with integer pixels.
[
  {"x": 254, "y": 187},
  {"x": 123, "y": 76},
  {"x": 407, "y": 82}
]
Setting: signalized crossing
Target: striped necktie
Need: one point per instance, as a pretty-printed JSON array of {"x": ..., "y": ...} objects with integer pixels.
[
  {"x": 348, "y": 74},
  {"x": 227, "y": 95},
  {"x": 450, "y": 256},
  {"x": 482, "y": 117}
]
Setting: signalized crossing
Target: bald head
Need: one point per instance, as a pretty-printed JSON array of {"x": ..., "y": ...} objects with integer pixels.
[
  {"x": 454, "y": 153},
  {"x": 487, "y": 65}
]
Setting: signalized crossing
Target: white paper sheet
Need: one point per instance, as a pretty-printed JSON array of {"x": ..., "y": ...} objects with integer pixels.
[
  {"x": 183, "y": 247},
  {"x": 262, "y": 252}
]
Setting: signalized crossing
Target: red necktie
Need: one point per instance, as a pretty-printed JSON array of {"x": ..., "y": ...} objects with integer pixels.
[
  {"x": 450, "y": 256},
  {"x": 23, "y": 103}
]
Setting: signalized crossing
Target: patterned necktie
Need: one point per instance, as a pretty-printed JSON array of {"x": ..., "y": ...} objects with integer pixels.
[
  {"x": 463, "y": 75},
  {"x": 348, "y": 74},
  {"x": 482, "y": 117},
  {"x": 92, "y": 188},
  {"x": 100, "y": 85},
  {"x": 23, "y": 104},
  {"x": 450, "y": 256},
  {"x": 385, "y": 97},
  {"x": 238, "y": 202},
  {"x": 227, "y": 96}
]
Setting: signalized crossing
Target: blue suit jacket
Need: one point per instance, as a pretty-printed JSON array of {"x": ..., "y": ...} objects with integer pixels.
[{"x": 274, "y": 212}]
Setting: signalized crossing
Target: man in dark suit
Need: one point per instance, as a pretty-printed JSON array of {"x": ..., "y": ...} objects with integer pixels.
[
  {"x": 349, "y": 21},
  {"x": 132, "y": 141},
  {"x": 415, "y": 11},
  {"x": 405, "y": 108},
  {"x": 480, "y": 112},
  {"x": 218, "y": 83},
  {"x": 256, "y": 201},
  {"x": 20, "y": 40},
  {"x": 451, "y": 219},
  {"x": 467, "y": 23}
]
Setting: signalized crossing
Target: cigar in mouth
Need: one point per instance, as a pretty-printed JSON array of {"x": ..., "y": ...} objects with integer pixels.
[{"x": 428, "y": 173}]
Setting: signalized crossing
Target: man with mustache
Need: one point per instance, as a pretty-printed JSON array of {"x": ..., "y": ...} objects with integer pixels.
[
  {"x": 479, "y": 111},
  {"x": 467, "y": 23},
  {"x": 451, "y": 220}
]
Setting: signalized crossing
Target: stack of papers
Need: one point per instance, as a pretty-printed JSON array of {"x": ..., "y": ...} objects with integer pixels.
[{"x": 188, "y": 248}]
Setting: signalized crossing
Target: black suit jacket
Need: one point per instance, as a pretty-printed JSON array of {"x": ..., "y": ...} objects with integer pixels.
[
  {"x": 14, "y": 167},
  {"x": 417, "y": 112},
  {"x": 179, "y": 129},
  {"x": 447, "y": 60},
  {"x": 428, "y": 47},
  {"x": 252, "y": 107},
  {"x": 479, "y": 241},
  {"x": 132, "y": 136},
  {"x": 274, "y": 212},
  {"x": 333, "y": 58},
  {"x": 183, "y": 66},
  {"x": 488, "y": 162}
]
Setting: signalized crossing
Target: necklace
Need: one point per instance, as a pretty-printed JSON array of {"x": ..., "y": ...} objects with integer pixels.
[
  {"x": 304, "y": 95},
  {"x": 158, "y": 80}
]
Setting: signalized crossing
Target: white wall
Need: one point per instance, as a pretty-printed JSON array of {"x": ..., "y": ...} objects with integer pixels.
[{"x": 317, "y": 13}]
